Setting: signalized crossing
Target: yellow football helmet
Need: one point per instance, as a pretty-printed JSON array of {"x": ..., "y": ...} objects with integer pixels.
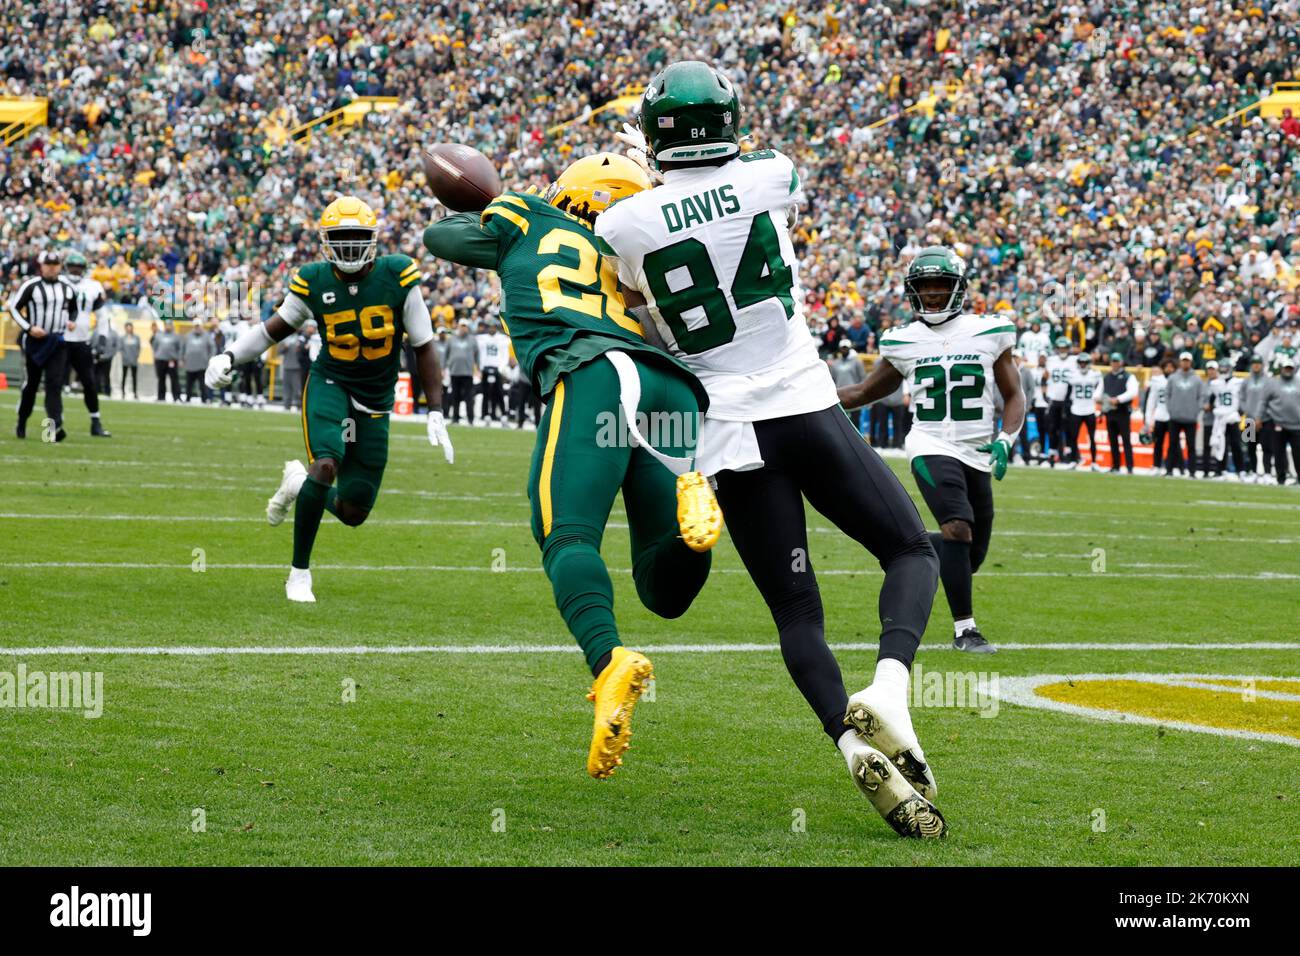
[
  {"x": 349, "y": 231},
  {"x": 592, "y": 184}
]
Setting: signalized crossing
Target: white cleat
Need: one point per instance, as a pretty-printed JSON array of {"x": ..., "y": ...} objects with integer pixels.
[
  {"x": 909, "y": 813},
  {"x": 298, "y": 587},
  {"x": 886, "y": 724},
  {"x": 278, "y": 505}
]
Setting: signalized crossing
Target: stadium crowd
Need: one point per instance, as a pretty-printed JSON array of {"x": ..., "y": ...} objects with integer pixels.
[{"x": 1067, "y": 154}]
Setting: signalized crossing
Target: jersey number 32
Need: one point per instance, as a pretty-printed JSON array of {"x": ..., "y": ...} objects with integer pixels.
[{"x": 935, "y": 400}]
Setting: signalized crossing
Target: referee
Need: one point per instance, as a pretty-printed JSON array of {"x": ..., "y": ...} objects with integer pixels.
[{"x": 43, "y": 306}]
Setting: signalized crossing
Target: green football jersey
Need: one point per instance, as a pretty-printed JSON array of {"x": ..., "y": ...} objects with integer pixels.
[
  {"x": 560, "y": 301},
  {"x": 361, "y": 324}
]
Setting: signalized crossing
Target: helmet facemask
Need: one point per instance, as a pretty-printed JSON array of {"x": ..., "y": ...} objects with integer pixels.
[
  {"x": 935, "y": 297},
  {"x": 349, "y": 248}
]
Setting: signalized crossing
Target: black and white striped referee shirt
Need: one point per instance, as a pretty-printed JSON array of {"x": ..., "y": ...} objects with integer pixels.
[{"x": 47, "y": 303}]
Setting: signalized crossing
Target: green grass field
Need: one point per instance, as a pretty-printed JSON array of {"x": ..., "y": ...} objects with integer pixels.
[{"x": 469, "y": 758}]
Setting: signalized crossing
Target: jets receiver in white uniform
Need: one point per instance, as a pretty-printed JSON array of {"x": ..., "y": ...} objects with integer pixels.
[
  {"x": 710, "y": 250},
  {"x": 949, "y": 369}
]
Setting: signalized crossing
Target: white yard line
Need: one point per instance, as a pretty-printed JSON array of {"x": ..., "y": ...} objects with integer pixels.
[
  {"x": 1135, "y": 535},
  {"x": 533, "y": 569},
  {"x": 310, "y": 650}
]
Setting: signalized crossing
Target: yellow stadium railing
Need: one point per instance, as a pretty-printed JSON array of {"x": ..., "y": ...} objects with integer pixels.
[
  {"x": 19, "y": 115},
  {"x": 926, "y": 104},
  {"x": 1285, "y": 95},
  {"x": 343, "y": 117},
  {"x": 624, "y": 103}
]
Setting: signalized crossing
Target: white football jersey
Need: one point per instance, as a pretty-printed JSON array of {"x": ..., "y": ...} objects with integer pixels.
[
  {"x": 89, "y": 291},
  {"x": 493, "y": 350},
  {"x": 1157, "y": 409},
  {"x": 1034, "y": 344},
  {"x": 1085, "y": 389},
  {"x": 1226, "y": 393},
  {"x": 710, "y": 251},
  {"x": 1059, "y": 371},
  {"x": 949, "y": 370}
]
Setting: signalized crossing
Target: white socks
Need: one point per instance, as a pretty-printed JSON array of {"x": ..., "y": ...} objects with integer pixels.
[
  {"x": 963, "y": 624},
  {"x": 848, "y": 743},
  {"x": 892, "y": 676}
]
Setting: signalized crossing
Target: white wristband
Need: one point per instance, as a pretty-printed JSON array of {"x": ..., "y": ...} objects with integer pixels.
[
  {"x": 250, "y": 345},
  {"x": 1009, "y": 439}
]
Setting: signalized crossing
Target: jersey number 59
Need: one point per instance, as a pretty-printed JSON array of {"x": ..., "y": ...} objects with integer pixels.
[{"x": 377, "y": 331}]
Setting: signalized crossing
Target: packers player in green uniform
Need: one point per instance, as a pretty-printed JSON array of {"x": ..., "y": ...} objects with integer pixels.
[
  {"x": 363, "y": 305},
  {"x": 603, "y": 385}
]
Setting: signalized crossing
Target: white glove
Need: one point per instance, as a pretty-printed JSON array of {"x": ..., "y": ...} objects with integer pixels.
[
  {"x": 638, "y": 150},
  {"x": 220, "y": 370},
  {"x": 437, "y": 429}
]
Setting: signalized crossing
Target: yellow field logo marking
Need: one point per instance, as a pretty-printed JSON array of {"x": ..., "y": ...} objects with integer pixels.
[{"x": 1255, "y": 708}]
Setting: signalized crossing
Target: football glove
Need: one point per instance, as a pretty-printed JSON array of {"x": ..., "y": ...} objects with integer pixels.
[
  {"x": 637, "y": 150},
  {"x": 438, "y": 436},
  {"x": 221, "y": 371},
  {"x": 999, "y": 452}
]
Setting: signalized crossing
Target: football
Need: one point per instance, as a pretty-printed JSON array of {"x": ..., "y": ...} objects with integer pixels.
[{"x": 460, "y": 176}]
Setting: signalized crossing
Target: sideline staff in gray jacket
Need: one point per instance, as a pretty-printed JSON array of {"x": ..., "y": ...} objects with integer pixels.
[
  {"x": 1281, "y": 406},
  {"x": 130, "y": 348},
  {"x": 1185, "y": 398},
  {"x": 1252, "y": 402}
]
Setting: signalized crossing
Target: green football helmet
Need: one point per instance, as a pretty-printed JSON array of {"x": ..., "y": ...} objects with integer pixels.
[
  {"x": 75, "y": 263},
  {"x": 691, "y": 113},
  {"x": 936, "y": 262}
]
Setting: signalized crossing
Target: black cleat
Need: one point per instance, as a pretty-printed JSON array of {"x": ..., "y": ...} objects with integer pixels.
[
  {"x": 97, "y": 429},
  {"x": 972, "y": 641},
  {"x": 21, "y": 430},
  {"x": 60, "y": 434}
]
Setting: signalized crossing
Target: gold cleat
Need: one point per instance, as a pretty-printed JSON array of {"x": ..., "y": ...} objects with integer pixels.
[
  {"x": 615, "y": 692},
  {"x": 698, "y": 513}
]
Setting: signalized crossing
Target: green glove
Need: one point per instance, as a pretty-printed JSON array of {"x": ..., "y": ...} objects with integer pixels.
[{"x": 999, "y": 453}]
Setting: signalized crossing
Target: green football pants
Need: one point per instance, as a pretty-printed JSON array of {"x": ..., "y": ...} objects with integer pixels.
[{"x": 582, "y": 458}]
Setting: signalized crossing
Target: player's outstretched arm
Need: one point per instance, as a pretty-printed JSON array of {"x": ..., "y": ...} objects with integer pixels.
[
  {"x": 419, "y": 332},
  {"x": 460, "y": 238},
  {"x": 221, "y": 368},
  {"x": 430, "y": 372},
  {"x": 882, "y": 381},
  {"x": 1013, "y": 414}
]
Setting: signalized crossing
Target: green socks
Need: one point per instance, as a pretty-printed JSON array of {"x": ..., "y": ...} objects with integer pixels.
[
  {"x": 313, "y": 498},
  {"x": 583, "y": 594}
]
